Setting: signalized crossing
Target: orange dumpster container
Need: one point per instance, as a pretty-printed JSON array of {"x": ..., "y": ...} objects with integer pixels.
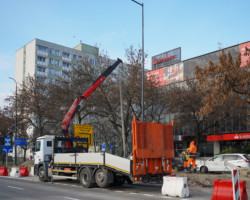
[{"x": 153, "y": 149}]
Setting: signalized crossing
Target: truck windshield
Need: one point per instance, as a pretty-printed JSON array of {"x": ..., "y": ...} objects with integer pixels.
[{"x": 38, "y": 146}]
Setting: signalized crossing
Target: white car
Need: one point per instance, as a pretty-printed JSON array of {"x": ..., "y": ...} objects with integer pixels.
[{"x": 218, "y": 163}]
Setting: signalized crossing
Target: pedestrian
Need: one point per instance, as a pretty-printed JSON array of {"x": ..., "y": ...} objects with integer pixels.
[
  {"x": 192, "y": 157},
  {"x": 185, "y": 157}
]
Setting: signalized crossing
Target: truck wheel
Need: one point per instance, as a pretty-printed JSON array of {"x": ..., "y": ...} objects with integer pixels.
[
  {"x": 86, "y": 178},
  {"x": 102, "y": 178},
  {"x": 41, "y": 174},
  {"x": 204, "y": 169}
]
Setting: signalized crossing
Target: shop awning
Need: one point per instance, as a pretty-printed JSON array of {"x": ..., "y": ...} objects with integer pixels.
[{"x": 234, "y": 136}]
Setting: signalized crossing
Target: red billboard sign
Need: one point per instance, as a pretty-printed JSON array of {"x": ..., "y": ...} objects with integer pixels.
[
  {"x": 235, "y": 136},
  {"x": 166, "y": 75},
  {"x": 245, "y": 55},
  {"x": 167, "y": 58},
  {"x": 163, "y": 59}
]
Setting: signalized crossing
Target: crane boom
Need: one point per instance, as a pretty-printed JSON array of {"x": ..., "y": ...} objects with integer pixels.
[{"x": 75, "y": 106}]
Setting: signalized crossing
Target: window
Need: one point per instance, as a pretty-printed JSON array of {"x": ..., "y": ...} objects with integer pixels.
[
  {"x": 65, "y": 64},
  {"x": 51, "y": 61},
  {"x": 40, "y": 69},
  {"x": 41, "y": 59},
  {"x": 48, "y": 80},
  {"x": 246, "y": 156},
  {"x": 217, "y": 158},
  {"x": 229, "y": 157},
  {"x": 57, "y": 52},
  {"x": 40, "y": 78},
  {"x": 74, "y": 66},
  {"x": 42, "y": 48},
  {"x": 66, "y": 55},
  {"x": 56, "y": 72},
  {"x": 51, "y": 51},
  {"x": 74, "y": 57},
  {"x": 38, "y": 146},
  {"x": 49, "y": 143},
  {"x": 56, "y": 62},
  {"x": 64, "y": 74},
  {"x": 50, "y": 71},
  {"x": 79, "y": 58}
]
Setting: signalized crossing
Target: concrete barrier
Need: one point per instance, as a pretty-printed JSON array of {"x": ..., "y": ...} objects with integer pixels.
[
  {"x": 175, "y": 186},
  {"x": 15, "y": 172},
  {"x": 32, "y": 172}
]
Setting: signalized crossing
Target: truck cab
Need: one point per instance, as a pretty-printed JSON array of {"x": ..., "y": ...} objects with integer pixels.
[{"x": 42, "y": 151}]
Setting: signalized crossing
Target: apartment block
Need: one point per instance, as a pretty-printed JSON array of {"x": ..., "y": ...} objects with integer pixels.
[{"x": 49, "y": 60}]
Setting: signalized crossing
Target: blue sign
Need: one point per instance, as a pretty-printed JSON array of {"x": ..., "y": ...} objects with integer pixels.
[
  {"x": 103, "y": 146},
  {"x": 7, "y": 149},
  {"x": 7, "y": 140},
  {"x": 111, "y": 146},
  {"x": 21, "y": 141}
]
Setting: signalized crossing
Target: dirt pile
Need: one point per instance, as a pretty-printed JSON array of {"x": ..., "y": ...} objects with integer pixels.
[
  {"x": 28, "y": 163},
  {"x": 207, "y": 180}
]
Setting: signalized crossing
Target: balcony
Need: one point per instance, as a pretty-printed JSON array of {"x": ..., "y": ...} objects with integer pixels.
[
  {"x": 42, "y": 53},
  {"x": 66, "y": 69},
  {"x": 41, "y": 63},
  {"x": 43, "y": 74},
  {"x": 66, "y": 59}
]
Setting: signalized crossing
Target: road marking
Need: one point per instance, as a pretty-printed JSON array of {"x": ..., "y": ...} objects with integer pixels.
[
  {"x": 132, "y": 193},
  {"x": 148, "y": 195},
  {"x": 70, "y": 198},
  {"x": 14, "y": 187},
  {"x": 166, "y": 197},
  {"x": 118, "y": 191}
]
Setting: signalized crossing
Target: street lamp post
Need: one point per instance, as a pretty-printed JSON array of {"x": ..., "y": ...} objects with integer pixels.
[
  {"x": 15, "y": 123},
  {"x": 142, "y": 100}
]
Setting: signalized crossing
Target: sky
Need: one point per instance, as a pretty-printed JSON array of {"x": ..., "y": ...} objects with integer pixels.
[{"x": 198, "y": 27}]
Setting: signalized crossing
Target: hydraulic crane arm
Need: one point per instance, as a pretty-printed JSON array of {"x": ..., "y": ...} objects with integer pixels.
[{"x": 75, "y": 106}]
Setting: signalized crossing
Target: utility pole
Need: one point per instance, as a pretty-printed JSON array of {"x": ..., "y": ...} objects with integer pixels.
[
  {"x": 142, "y": 100},
  {"x": 15, "y": 124},
  {"x": 122, "y": 119}
]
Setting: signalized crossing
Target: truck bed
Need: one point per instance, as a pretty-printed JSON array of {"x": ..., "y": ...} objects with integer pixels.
[{"x": 113, "y": 162}]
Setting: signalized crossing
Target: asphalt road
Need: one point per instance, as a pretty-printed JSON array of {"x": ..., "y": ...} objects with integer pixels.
[{"x": 30, "y": 188}]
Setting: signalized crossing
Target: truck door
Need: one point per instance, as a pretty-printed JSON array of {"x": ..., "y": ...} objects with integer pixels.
[{"x": 38, "y": 154}]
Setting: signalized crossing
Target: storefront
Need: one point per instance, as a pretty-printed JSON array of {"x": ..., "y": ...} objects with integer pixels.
[{"x": 223, "y": 141}]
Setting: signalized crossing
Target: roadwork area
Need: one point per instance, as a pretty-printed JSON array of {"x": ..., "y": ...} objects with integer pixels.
[{"x": 207, "y": 180}]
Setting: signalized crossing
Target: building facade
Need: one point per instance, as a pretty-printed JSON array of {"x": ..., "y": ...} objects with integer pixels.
[
  {"x": 168, "y": 69},
  {"x": 50, "y": 61}
]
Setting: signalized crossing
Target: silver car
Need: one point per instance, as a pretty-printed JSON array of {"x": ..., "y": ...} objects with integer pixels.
[{"x": 219, "y": 162}]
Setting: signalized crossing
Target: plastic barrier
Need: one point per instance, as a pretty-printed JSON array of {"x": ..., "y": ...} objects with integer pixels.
[
  {"x": 3, "y": 171},
  {"x": 15, "y": 172},
  {"x": 23, "y": 171},
  {"x": 223, "y": 189},
  {"x": 175, "y": 186},
  {"x": 236, "y": 186},
  {"x": 32, "y": 172}
]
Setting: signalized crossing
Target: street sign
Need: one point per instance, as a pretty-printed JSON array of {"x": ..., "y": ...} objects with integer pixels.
[
  {"x": 82, "y": 130},
  {"x": 111, "y": 146},
  {"x": 7, "y": 149},
  {"x": 103, "y": 147},
  {"x": 7, "y": 141},
  {"x": 21, "y": 141}
]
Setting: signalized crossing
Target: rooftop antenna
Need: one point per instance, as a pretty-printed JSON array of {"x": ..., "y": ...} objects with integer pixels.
[{"x": 220, "y": 45}]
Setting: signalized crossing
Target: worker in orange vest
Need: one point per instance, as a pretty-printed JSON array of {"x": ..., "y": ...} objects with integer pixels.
[
  {"x": 192, "y": 157},
  {"x": 185, "y": 157}
]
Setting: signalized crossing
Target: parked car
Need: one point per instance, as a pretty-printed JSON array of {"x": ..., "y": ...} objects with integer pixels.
[
  {"x": 218, "y": 163},
  {"x": 177, "y": 164}
]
